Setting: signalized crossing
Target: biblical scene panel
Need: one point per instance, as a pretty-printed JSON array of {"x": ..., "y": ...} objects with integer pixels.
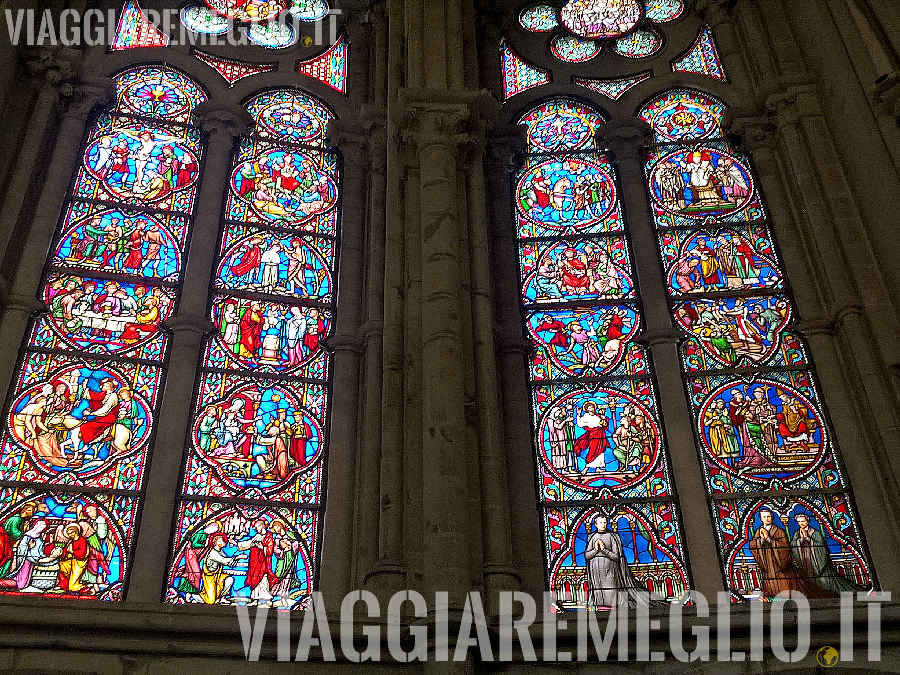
[
  {"x": 117, "y": 241},
  {"x": 255, "y": 438},
  {"x": 612, "y": 555},
  {"x": 700, "y": 184},
  {"x": 577, "y": 269},
  {"x": 243, "y": 555},
  {"x": 80, "y": 422},
  {"x": 597, "y": 440},
  {"x": 585, "y": 342},
  {"x": 287, "y": 264},
  {"x": 135, "y": 162},
  {"x": 807, "y": 544},
  {"x": 763, "y": 432},
  {"x": 104, "y": 316},
  {"x": 720, "y": 260},
  {"x": 64, "y": 545}
]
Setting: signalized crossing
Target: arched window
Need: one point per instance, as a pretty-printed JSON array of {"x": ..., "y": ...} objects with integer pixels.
[
  {"x": 604, "y": 483},
  {"x": 782, "y": 511},
  {"x": 772, "y": 467},
  {"x": 254, "y": 479},
  {"x": 81, "y": 420}
]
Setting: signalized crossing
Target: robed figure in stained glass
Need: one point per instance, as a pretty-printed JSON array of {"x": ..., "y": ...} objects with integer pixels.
[
  {"x": 813, "y": 558},
  {"x": 610, "y": 582},
  {"x": 778, "y": 572}
]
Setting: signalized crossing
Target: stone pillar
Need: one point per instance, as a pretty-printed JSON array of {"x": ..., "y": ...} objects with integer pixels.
[
  {"x": 497, "y": 567},
  {"x": 335, "y": 581},
  {"x": 189, "y": 327},
  {"x": 513, "y": 349},
  {"x": 626, "y": 140},
  {"x": 444, "y": 452},
  {"x": 22, "y": 302}
]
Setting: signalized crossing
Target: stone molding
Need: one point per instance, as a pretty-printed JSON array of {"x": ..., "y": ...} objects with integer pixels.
[
  {"x": 220, "y": 119},
  {"x": 624, "y": 138}
]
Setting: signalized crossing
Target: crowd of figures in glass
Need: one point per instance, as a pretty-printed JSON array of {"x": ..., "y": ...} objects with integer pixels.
[
  {"x": 82, "y": 413},
  {"x": 258, "y": 435},
  {"x": 760, "y": 421},
  {"x": 612, "y": 531}
]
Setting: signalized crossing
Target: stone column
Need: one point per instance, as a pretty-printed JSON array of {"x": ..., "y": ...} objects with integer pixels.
[
  {"x": 626, "y": 140},
  {"x": 335, "y": 581},
  {"x": 22, "y": 301},
  {"x": 189, "y": 327},
  {"x": 444, "y": 452},
  {"x": 513, "y": 349},
  {"x": 497, "y": 567}
]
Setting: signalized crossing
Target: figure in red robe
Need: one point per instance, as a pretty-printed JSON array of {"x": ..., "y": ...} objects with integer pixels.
[
  {"x": 259, "y": 566},
  {"x": 134, "y": 261},
  {"x": 315, "y": 327},
  {"x": 558, "y": 328},
  {"x": 574, "y": 272},
  {"x": 251, "y": 330},
  {"x": 103, "y": 405},
  {"x": 250, "y": 260},
  {"x": 616, "y": 328}
]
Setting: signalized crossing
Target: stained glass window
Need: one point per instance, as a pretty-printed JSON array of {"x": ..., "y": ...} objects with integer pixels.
[
  {"x": 779, "y": 496},
  {"x": 663, "y": 10},
  {"x": 81, "y": 419},
  {"x": 573, "y": 50},
  {"x": 702, "y": 58},
  {"x": 518, "y": 74},
  {"x": 640, "y": 44},
  {"x": 253, "y": 482},
  {"x": 136, "y": 30},
  {"x": 329, "y": 68},
  {"x": 539, "y": 18},
  {"x": 231, "y": 69},
  {"x": 613, "y": 89},
  {"x": 602, "y": 463}
]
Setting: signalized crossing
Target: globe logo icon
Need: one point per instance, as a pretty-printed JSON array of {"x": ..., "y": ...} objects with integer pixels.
[{"x": 827, "y": 657}]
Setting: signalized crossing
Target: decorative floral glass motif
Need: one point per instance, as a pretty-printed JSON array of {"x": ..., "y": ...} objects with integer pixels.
[
  {"x": 272, "y": 35},
  {"x": 232, "y": 70},
  {"x": 253, "y": 481},
  {"x": 539, "y": 19},
  {"x": 613, "y": 89},
  {"x": 640, "y": 44},
  {"x": 329, "y": 68},
  {"x": 663, "y": 10},
  {"x": 201, "y": 19},
  {"x": 83, "y": 411},
  {"x": 761, "y": 424},
  {"x": 573, "y": 50},
  {"x": 136, "y": 30},
  {"x": 518, "y": 74},
  {"x": 702, "y": 58},
  {"x": 602, "y": 464},
  {"x": 600, "y": 19}
]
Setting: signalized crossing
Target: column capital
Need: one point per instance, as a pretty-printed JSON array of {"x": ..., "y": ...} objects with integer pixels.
[
  {"x": 55, "y": 65},
  {"x": 429, "y": 124},
  {"x": 794, "y": 103},
  {"x": 653, "y": 338},
  {"x": 352, "y": 138},
  {"x": 624, "y": 138},
  {"x": 506, "y": 144},
  {"x": 88, "y": 94},
  {"x": 755, "y": 131},
  {"x": 345, "y": 343},
  {"x": 223, "y": 119}
]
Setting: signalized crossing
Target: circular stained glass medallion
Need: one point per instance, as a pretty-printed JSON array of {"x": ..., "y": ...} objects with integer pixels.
[
  {"x": 683, "y": 116},
  {"x": 664, "y": 10},
  {"x": 272, "y": 35},
  {"x": 252, "y": 11},
  {"x": 561, "y": 125},
  {"x": 573, "y": 50},
  {"x": 539, "y": 19},
  {"x": 640, "y": 44},
  {"x": 309, "y": 10},
  {"x": 201, "y": 19},
  {"x": 601, "y": 19}
]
